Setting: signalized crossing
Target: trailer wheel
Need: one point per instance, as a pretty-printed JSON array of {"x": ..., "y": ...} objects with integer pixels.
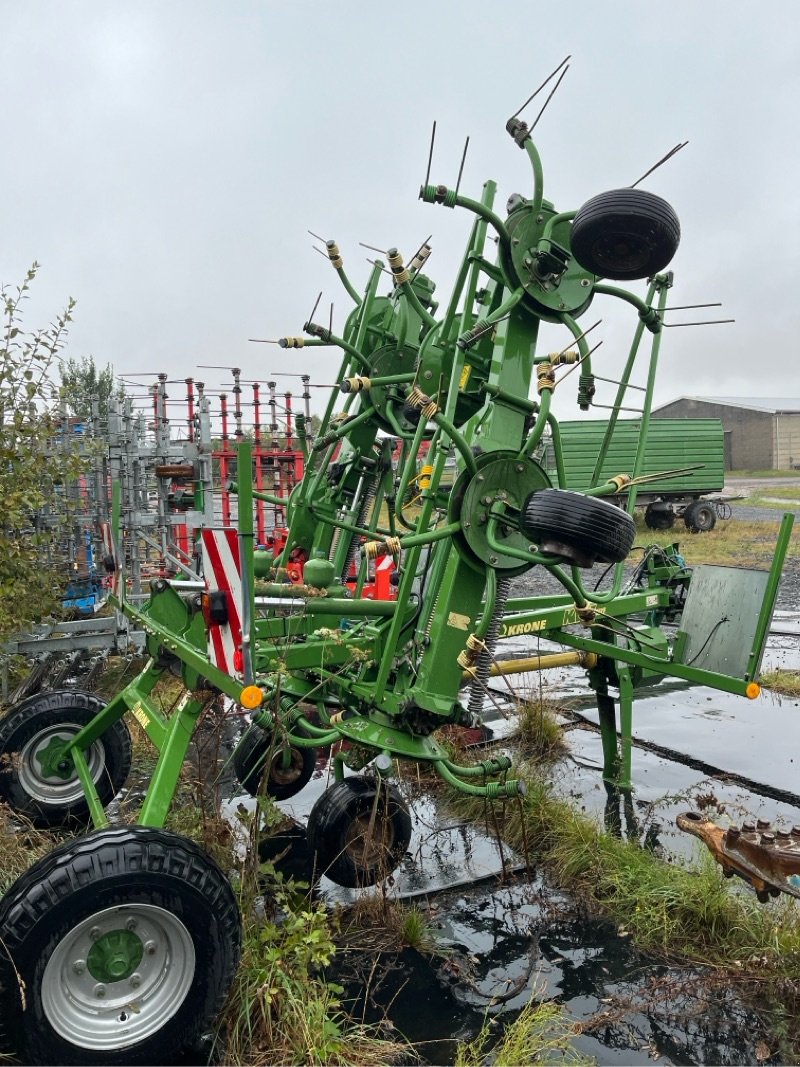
[
  {"x": 286, "y": 777},
  {"x": 358, "y": 831},
  {"x": 117, "y": 948},
  {"x": 625, "y": 234},
  {"x": 700, "y": 517},
  {"x": 35, "y": 780},
  {"x": 659, "y": 516},
  {"x": 584, "y": 529}
]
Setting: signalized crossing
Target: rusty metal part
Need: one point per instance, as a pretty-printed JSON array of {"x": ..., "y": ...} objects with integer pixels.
[
  {"x": 769, "y": 860},
  {"x": 174, "y": 470}
]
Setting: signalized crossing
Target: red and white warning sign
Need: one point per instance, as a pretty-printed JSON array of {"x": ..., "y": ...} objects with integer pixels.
[{"x": 222, "y": 573}]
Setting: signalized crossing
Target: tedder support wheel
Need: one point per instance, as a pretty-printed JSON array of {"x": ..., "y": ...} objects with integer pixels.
[
  {"x": 358, "y": 831},
  {"x": 35, "y": 780},
  {"x": 659, "y": 516},
  {"x": 583, "y": 529},
  {"x": 290, "y": 768},
  {"x": 125, "y": 943},
  {"x": 625, "y": 234},
  {"x": 700, "y": 517}
]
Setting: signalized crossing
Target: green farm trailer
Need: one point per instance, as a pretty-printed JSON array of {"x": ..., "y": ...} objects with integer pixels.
[{"x": 682, "y": 469}]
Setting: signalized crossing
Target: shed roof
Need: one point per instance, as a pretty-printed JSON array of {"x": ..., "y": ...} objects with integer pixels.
[{"x": 776, "y": 405}]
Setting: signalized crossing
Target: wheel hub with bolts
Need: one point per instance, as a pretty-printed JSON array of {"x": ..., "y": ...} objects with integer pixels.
[
  {"x": 503, "y": 479},
  {"x": 118, "y": 976},
  {"x": 53, "y": 762}
]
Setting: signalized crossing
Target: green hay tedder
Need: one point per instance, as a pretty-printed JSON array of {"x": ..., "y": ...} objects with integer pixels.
[{"x": 120, "y": 946}]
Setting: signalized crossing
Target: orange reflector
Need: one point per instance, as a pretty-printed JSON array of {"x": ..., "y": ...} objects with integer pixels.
[
  {"x": 753, "y": 690},
  {"x": 251, "y": 697}
]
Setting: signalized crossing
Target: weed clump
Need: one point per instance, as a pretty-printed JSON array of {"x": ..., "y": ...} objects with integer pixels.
[
  {"x": 542, "y": 1033},
  {"x": 540, "y": 735},
  {"x": 787, "y": 683}
]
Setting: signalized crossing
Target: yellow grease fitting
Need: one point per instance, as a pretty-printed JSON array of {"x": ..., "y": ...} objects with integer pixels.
[{"x": 251, "y": 696}]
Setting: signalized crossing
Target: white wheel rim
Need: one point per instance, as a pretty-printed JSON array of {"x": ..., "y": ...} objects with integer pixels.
[
  {"x": 105, "y": 1015},
  {"x": 52, "y": 789}
]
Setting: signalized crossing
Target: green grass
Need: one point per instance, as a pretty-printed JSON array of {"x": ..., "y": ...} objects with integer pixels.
[
  {"x": 540, "y": 735},
  {"x": 732, "y": 543},
  {"x": 542, "y": 1034},
  {"x": 763, "y": 474},
  {"x": 787, "y": 683}
]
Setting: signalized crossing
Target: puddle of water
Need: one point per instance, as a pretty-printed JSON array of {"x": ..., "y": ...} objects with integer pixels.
[{"x": 499, "y": 950}]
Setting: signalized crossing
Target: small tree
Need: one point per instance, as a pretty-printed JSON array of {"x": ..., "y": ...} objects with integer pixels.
[
  {"x": 82, "y": 382},
  {"x": 37, "y": 459}
]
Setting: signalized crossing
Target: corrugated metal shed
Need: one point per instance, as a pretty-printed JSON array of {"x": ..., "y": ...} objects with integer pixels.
[{"x": 775, "y": 405}]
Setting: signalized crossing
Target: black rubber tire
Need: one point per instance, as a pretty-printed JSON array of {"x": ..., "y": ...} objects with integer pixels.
[
  {"x": 700, "y": 516},
  {"x": 659, "y": 518},
  {"x": 583, "y": 529},
  {"x": 174, "y": 893},
  {"x": 337, "y": 828},
  {"x": 625, "y": 234},
  {"x": 49, "y": 801},
  {"x": 251, "y": 755}
]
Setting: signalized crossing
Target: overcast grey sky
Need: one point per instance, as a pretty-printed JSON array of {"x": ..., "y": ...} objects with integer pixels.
[{"x": 163, "y": 161}]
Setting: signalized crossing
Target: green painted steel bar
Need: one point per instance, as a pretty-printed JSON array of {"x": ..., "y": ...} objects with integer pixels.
[
  {"x": 246, "y": 538},
  {"x": 646, "y": 312},
  {"x": 133, "y": 695},
  {"x": 346, "y": 428},
  {"x": 538, "y": 174},
  {"x": 469, "y": 273},
  {"x": 535, "y": 436},
  {"x": 258, "y": 494},
  {"x": 342, "y": 524},
  {"x": 409, "y": 469},
  {"x": 484, "y": 769},
  {"x": 392, "y": 379},
  {"x": 407, "y": 289},
  {"x": 555, "y": 434},
  {"x": 436, "y": 534},
  {"x": 770, "y": 593},
  {"x": 627, "y": 369},
  {"x": 519, "y": 402},
  {"x": 164, "y": 780},
  {"x": 330, "y": 340},
  {"x": 187, "y": 653},
  {"x": 558, "y": 613},
  {"x": 490, "y": 790},
  {"x": 498, "y": 314},
  {"x": 553, "y": 221},
  {"x": 96, "y": 809},
  {"x": 407, "y": 578},
  {"x": 435, "y": 194},
  {"x": 349, "y": 287},
  {"x": 724, "y": 682},
  {"x": 458, "y": 440}
]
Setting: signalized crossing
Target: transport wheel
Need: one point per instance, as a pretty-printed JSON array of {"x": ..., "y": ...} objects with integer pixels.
[
  {"x": 700, "y": 517},
  {"x": 659, "y": 517},
  {"x": 124, "y": 944},
  {"x": 36, "y": 780},
  {"x": 584, "y": 529},
  {"x": 625, "y": 234},
  {"x": 355, "y": 840},
  {"x": 285, "y": 778}
]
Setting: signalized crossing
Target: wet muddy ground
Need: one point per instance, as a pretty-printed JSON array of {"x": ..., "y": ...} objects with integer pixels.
[{"x": 503, "y": 934}]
